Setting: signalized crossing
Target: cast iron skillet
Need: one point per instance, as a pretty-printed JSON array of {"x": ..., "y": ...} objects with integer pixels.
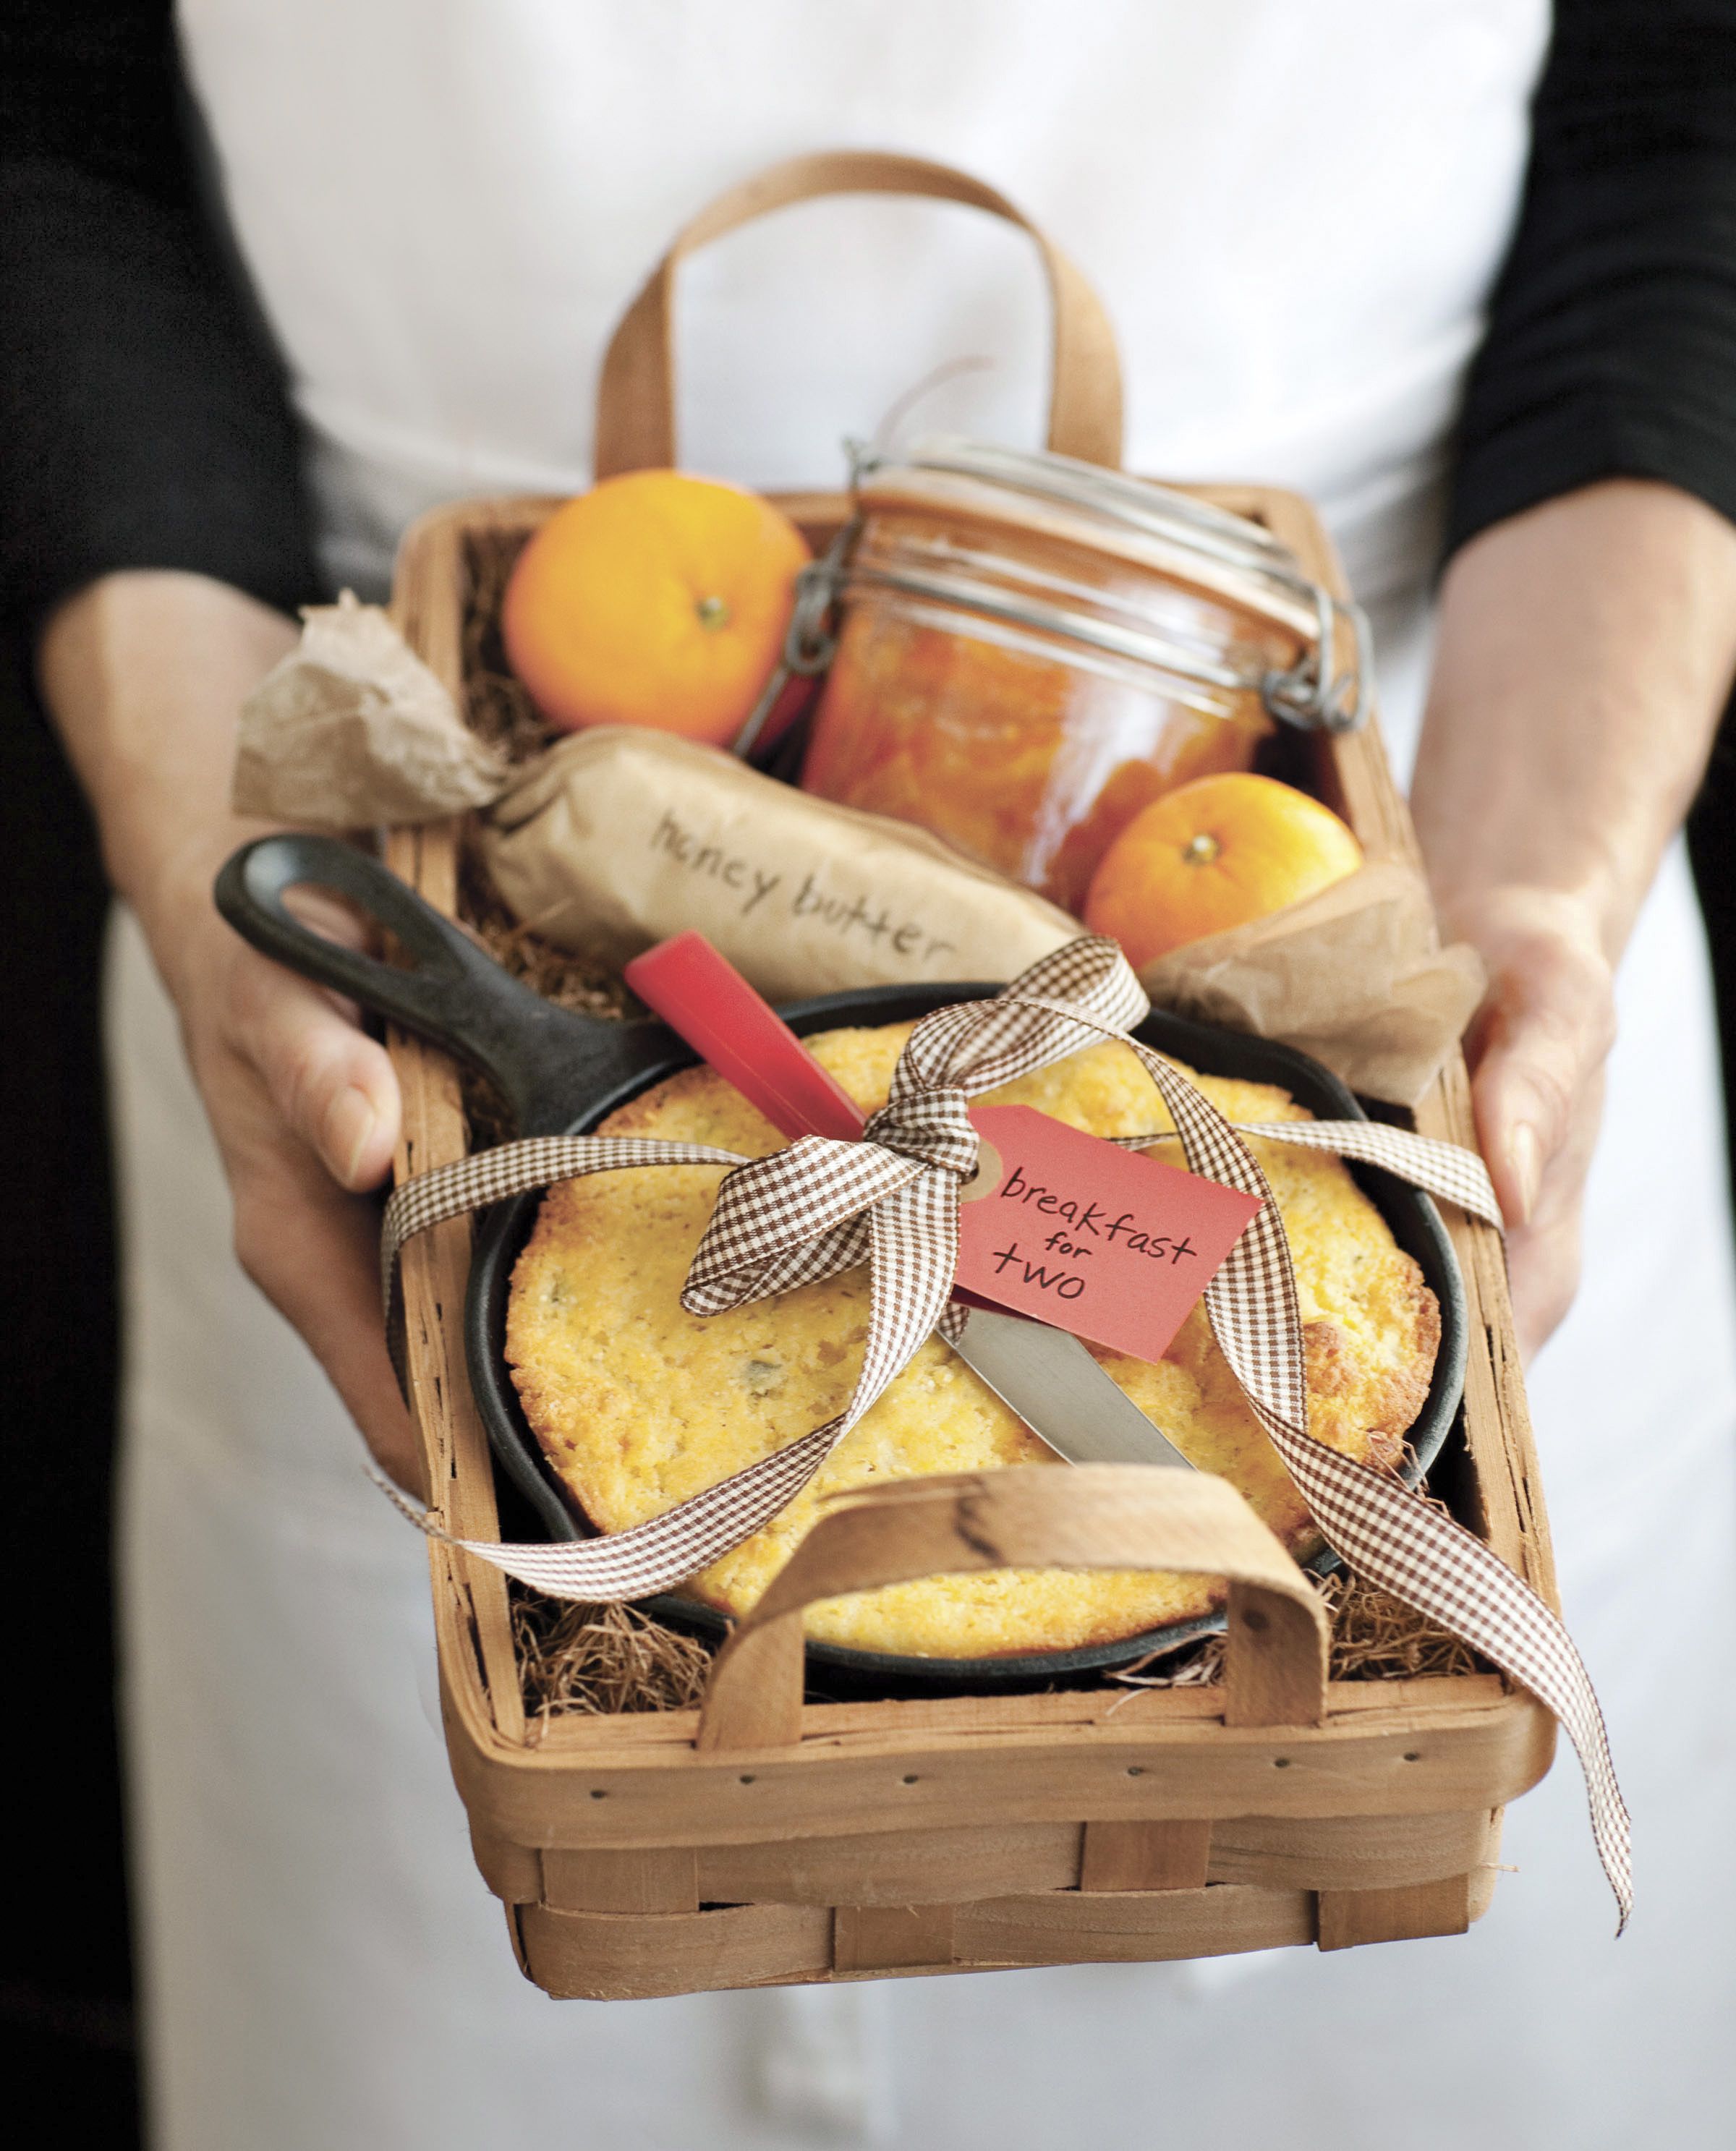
[{"x": 563, "y": 1073}]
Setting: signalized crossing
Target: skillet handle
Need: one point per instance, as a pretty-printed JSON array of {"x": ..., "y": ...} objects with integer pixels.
[{"x": 541, "y": 1057}]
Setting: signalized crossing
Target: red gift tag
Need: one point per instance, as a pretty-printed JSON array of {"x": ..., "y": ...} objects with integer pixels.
[{"x": 1106, "y": 1242}]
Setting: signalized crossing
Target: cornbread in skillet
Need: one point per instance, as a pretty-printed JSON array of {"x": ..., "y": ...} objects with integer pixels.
[{"x": 640, "y": 1405}]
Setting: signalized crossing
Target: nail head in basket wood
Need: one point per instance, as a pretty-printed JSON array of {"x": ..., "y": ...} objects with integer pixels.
[{"x": 1090, "y": 1808}]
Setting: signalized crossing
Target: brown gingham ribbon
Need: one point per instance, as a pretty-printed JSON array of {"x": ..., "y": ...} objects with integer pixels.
[{"x": 821, "y": 1206}]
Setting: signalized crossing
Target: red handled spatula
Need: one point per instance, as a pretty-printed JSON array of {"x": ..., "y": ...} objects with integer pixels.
[{"x": 1045, "y": 1375}]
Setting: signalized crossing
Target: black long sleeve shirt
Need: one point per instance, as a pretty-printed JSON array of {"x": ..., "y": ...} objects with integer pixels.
[
  {"x": 1611, "y": 349},
  {"x": 144, "y": 421}
]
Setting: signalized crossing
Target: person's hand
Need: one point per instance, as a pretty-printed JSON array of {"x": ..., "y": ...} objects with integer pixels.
[
  {"x": 1585, "y": 649},
  {"x": 305, "y": 1109},
  {"x": 144, "y": 672},
  {"x": 1536, "y": 1051}
]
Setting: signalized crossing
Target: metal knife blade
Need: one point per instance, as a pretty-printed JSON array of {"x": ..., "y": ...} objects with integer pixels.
[{"x": 1060, "y": 1392}]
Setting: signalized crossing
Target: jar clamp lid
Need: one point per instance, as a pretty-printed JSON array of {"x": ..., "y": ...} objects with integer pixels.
[{"x": 1081, "y": 505}]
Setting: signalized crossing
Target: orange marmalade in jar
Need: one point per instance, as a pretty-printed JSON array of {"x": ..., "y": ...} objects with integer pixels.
[{"x": 1031, "y": 648}]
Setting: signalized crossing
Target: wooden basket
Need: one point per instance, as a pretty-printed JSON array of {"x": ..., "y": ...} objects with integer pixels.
[{"x": 764, "y": 1840}]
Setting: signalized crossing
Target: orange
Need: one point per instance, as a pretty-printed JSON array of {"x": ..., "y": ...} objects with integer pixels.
[
  {"x": 656, "y": 598},
  {"x": 1214, "y": 854}
]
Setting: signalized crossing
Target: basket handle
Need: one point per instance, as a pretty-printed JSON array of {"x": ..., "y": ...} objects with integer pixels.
[
  {"x": 1035, "y": 1515},
  {"x": 636, "y": 393}
]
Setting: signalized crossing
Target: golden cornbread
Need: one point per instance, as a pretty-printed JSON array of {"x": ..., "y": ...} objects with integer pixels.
[{"x": 640, "y": 1405}]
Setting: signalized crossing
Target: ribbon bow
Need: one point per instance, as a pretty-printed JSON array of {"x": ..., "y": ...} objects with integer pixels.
[
  {"x": 820, "y": 1207},
  {"x": 891, "y": 1199}
]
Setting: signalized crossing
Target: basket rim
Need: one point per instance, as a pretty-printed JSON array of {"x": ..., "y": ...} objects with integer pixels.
[{"x": 501, "y": 1772}]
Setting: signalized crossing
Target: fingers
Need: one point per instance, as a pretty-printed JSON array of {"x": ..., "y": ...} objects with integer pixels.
[
  {"x": 304, "y": 1107},
  {"x": 1543, "y": 1257},
  {"x": 1537, "y": 1055},
  {"x": 314, "y": 1251},
  {"x": 332, "y": 1085},
  {"x": 1539, "y": 1041},
  {"x": 1544, "y": 1045}
]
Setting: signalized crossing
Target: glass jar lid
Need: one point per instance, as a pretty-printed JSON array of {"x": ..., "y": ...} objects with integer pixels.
[
  {"x": 1029, "y": 608},
  {"x": 1182, "y": 539},
  {"x": 1187, "y": 541}
]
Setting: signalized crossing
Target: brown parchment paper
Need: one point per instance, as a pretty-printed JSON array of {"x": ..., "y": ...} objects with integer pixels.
[
  {"x": 1355, "y": 976},
  {"x": 351, "y": 729}
]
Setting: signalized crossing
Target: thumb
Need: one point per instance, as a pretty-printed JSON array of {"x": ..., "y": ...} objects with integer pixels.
[
  {"x": 332, "y": 1085},
  {"x": 1524, "y": 1088},
  {"x": 1539, "y": 1047}
]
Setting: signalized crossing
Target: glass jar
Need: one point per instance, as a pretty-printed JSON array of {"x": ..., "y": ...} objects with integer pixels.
[{"x": 1030, "y": 648}]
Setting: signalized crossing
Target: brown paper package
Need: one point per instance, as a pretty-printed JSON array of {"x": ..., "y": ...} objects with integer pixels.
[
  {"x": 351, "y": 728},
  {"x": 617, "y": 838},
  {"x": 1355, "y": 976}
]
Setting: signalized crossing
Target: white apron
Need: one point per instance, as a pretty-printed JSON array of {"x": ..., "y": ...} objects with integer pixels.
[{"x": 1293, "y": 208}]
